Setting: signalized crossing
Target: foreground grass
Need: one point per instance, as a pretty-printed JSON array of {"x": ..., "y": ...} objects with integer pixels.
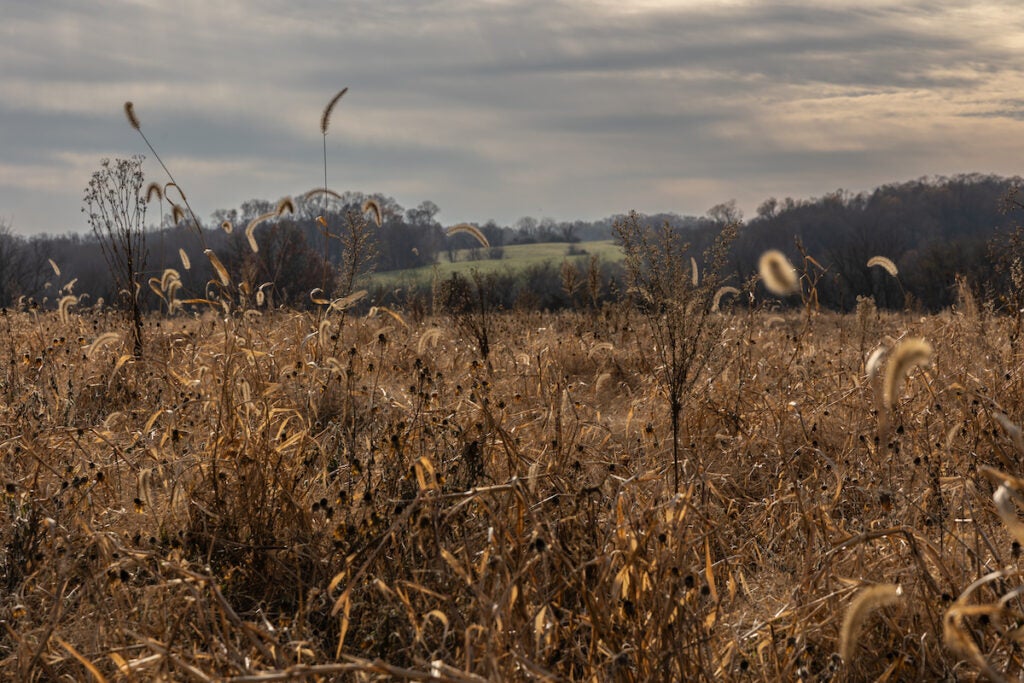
[{"x": 266, "y": 497}]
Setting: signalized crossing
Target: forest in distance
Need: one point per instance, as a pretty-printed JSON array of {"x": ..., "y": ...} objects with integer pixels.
[{"x": 933, "y": 229}]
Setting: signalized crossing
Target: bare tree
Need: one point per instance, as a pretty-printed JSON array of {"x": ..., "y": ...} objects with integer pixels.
[{"x": 116, "y": 211}]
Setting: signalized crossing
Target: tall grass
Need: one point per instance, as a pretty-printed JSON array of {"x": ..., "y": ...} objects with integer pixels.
[{"x": 282, "y": 495}]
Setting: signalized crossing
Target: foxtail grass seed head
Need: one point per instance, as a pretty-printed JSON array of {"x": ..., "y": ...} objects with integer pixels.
[
  {"x": 325, "y": 118},
  {"x": 65, "y": 305},
  {"x": 429, "y": 338},
  {"x": 377, "y": 310},
  {"x": 250, "y": 230},
  {"x": 779, "y": 275},
  {"x": 129, "y": 111},
  {"x": 874, "y": 362},
  {"x": 722, "y": 291},
  {"x": 222, "y": 272},
  {"x": 316, "y": 191},
  {"x": 105, "y": 339},
  {"x": 885, "y": 264},
  {"x": 185, "y": 263},
  {"x": 177, "y": 213},
  {"x": 170, "y": 275},
  {"x": 371, "y": 206},
  {"x": 469, "y": 230},
  {"x": 347, "y": 301},
  {"x": 284, "y": 206},
  {"x": 695, "y": 272},
  {"x": 227, "y": 226},
  {"x": 909, "y": 354},
  {"x": 153, "y": 190},
  {"x": 53, "y": 265},
  {"x": 866, "y": 602}
]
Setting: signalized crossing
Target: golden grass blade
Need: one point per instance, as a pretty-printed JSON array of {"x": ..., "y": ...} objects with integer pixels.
[
  {"x": 866, "y": 602},
  {"x": 85, "y": 662},
  {"x": 468, "y": 229}
]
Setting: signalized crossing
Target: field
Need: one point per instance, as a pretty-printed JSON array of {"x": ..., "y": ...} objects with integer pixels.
[
  {"x": 269, "y": 496},
  {"x": 516, "y": 257}
]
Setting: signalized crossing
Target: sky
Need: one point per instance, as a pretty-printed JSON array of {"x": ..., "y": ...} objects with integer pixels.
[{"x": 568, "y": 109}]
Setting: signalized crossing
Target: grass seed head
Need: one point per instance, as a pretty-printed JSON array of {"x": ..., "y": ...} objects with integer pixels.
[
  {"x": 153, "y": 190},
  {"x": 371, "y": 206},
  {"x": 867, "y": 601},
  {"x": 129, "y": 111},
  {"x": 222, "y": 272},
  {"x": 910, "y": 353},
  {"x": 469, "y": 230},
  {"x": 284, "y": 206},
  {"x": 722, "y": 291},
  {"x": 325, "y": 118},
  {"x": 885, "y": 264},
  {"x": 779, "y": 275}
]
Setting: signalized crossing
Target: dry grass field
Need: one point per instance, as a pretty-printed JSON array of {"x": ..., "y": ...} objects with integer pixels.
[{"x": 269, "y": 496}]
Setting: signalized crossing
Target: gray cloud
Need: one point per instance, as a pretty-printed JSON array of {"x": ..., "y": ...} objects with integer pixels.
[{"x": 566, "y": 108}]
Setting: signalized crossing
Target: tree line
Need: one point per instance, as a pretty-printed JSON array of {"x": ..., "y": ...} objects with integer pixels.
[{"x": 933, "y": 229}]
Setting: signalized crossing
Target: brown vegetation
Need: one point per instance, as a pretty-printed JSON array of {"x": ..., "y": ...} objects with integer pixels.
[{"x": 271, "y": 495}]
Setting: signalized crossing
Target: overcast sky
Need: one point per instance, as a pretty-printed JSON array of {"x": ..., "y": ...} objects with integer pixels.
[{"x": 550, "y": 108}]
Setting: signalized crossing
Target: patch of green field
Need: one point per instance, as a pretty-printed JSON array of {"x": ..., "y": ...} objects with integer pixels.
[{"x": 516, "y": 257}]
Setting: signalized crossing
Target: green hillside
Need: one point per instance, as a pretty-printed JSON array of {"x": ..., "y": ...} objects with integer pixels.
[{"x": 516, "y": 257}]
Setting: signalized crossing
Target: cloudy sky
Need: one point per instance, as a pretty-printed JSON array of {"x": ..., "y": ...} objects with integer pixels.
[{"x": 500, "y": 109}]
